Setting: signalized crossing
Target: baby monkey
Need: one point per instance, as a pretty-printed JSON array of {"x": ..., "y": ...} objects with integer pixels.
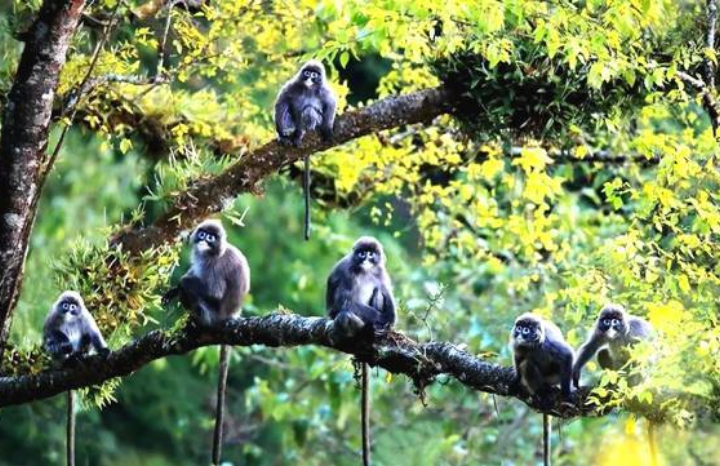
[
  {"x": 71, "y": 332},
  {"x": 542, "y": 360},
  {"x": 615, "y": 331},
  {"x": 305, "y": 103}
]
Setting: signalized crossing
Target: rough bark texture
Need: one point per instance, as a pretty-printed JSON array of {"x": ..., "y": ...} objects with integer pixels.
[
  {"x": 209, "y": 196},
  {"x": 395, "y": 353},
  {"x": 24, "y": 137}
]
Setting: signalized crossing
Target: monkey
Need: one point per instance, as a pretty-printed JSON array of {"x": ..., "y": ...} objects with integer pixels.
[
  {"x": 542, "y": 359},
  {"x": 305, "y": 103},
  {"x": 359, "y": 298},
  {"x": 213, "y": 290},
  {"x": 70, "y": 332},
  {"x": 615, "y": 331}
]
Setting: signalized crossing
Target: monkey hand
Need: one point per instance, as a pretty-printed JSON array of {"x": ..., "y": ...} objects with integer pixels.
[
  {"x": 170, "y": 296},
  {"x": 65, "y": 348},
  {"x": 326, "y": 133},
  {"x": 284, "y": 141}
]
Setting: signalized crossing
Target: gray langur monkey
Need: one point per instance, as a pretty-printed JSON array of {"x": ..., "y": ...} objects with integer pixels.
[
  {"x": 70, "y": 332},
  {"x": 359, "y": 298},
  {"x": 542, "y": 359},
  {"x": 305, "y": 103},
  {"x": 213, "y": 290},
  {"x": 611, "y": 338}
]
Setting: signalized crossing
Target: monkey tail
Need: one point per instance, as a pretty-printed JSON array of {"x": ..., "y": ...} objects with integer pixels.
[
  {"x": 306, "y": 186},
  {"x": 70, "y": 439},
  {"x": 365, "y": 415},
  {"x": 220, "y": 407},
  {"x": 547, "y": 429}
]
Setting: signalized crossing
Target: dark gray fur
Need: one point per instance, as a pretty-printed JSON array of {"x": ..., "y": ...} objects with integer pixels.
[
  {"x": 359, "y": 295},
  {"x": 612, "y": 342},
  {"x": 305, "y": 104},
  {"x": 218, "y": 280},
  {"x": 71, "y": 331},
  {"x": 542, "y": 357}
]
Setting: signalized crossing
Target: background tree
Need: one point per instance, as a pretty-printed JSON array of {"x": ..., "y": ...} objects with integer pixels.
[{"x": 513, "y": 156}]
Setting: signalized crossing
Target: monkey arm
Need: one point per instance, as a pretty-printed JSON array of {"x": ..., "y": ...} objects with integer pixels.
[
  {"x": 566, "y": 371},
  {"x": 96, "y": 339},
  {"x": 57, "y": 343},
  {"x": 284, "y": 122},
  {"x": 585, "y": 353},
  {"x": 328, "y": 119},
  {"x": 387, "y": 313},
  {"x": 170, "y": 295}
]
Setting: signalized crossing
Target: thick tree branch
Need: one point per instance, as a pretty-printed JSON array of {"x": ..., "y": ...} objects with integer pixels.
[
  {"x": 209, "y": 196},
  {"x": 26, "y": 122},
  {"x": 395, "y": 353}
]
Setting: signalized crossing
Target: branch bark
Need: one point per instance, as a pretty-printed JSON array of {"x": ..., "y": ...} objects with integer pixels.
[
  {"x": 23, "y": 141},
  {"x": 422, "y": 362},
  {"x": 209, "y": 196}
]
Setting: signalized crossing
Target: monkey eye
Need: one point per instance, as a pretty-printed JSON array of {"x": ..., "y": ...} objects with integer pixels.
[
  {"x": 615, "y": 321},
  {"x": 606, "y": 321},
  {"x": 314, "y": 74},
  {"x": 65, "y": 306},
  {"x": 525, "y": 330},
  {"x": 201, "y": 235},
  {"x": 210, "y": 238},
  {"x": 73, "y": 307}
]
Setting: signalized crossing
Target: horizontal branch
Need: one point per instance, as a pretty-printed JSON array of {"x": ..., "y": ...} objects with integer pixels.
[{"x": 422, "y": 362}]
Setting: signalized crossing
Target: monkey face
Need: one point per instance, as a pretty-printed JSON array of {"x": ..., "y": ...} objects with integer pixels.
[
  {"x": 69, "y": 308},
  {"x": 366, "y": 259},
  {"x": 208, "y": 239},
  {"x": 612, "y": 323},
  {"x": 311, "y": 77},
  {"x": 528, "y": 332}
]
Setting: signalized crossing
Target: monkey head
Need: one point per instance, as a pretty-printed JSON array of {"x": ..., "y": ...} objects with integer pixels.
[
  {"x": 209, "y": 238},
  {"x": 70, "y": 305},
  {"x": 312, "y": 74},
  {"x": 612, "y": 321},
  {"x": 528, "y": 331},
  {"x": 367, "y": 254}
]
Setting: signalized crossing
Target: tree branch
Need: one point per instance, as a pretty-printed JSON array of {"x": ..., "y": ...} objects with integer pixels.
[
  {"x": 395, "y": 353},
  {"x": 24, "y": 137},
  {"x": 209, "y": 196}
]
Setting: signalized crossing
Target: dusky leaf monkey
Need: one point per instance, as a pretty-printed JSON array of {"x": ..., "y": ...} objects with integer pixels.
[
  {"x": 213, "y": 290},
  {"x": 305, "y": 103},
  {"x": 359, "y": 298},
  {"x": 542, "y": 360}
]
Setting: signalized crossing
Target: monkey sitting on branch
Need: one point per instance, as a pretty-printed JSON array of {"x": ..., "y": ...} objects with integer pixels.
[
  {"x": 213, "y": 290},
  {"x": 542, "y": 359},
  {"x": 305, "y": 103},
  {"x": 359, "y": 299},
  {"x": 70, "y": 332},
  {"x": 611, "y": 338}
]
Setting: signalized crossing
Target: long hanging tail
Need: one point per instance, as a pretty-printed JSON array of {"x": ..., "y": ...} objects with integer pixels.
[
  {"x": 70, "y": 439},
  {"x": 220, "y": 407},
  {"x": 306, "y": 187},
  {"x": 547, "y": 429},
  {"x": 365, "y": 415}
]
